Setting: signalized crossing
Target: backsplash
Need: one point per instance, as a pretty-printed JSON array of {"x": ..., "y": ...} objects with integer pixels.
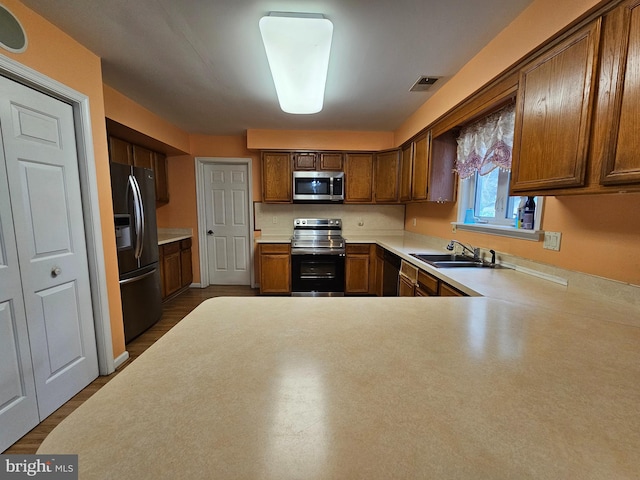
[{"x": 275, "y": 219}]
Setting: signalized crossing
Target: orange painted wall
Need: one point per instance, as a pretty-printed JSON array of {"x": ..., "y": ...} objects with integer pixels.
[
  {"x": 56, "y": 55},
  {"x": 319, "y": 140},
  {"x": 599, "y": 232},
  {"x": 127, "y": 112},
  {"x": 181, "y": 211}
]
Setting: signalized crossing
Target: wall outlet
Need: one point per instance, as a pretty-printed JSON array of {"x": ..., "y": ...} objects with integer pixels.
[
  {"x": 552, "y": 240},
  {"x": 274, "y": 219},
  {"x": 414, "y": 222}
]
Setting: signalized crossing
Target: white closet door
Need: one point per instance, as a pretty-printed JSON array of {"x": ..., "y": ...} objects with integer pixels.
[
  {"x": 18, "y": 407},
  {"x": 42, "y": 170}
]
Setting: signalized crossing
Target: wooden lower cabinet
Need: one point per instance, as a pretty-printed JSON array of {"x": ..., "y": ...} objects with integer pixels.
[
  {"x": 186, "y": 267},
  {"x": 378, "y": 283},
  {"x": 176, "y": 272},
  {"x": 358, "y": 270},
  {"x": 406, "y": 287},
  {"x": 446, "y": 290},
  {"x": 427, "y": 285},
  {"x": 275, "y": 268}
]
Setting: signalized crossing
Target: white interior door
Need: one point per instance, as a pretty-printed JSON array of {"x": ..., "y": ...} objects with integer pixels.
[
  {"x": 227, "y": 223},
  {"x": 42, "y": 171},
  {"x": 18, "y": 407}
]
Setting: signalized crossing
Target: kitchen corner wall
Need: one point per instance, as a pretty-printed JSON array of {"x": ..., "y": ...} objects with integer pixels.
[{"x": 371, "y": 220}]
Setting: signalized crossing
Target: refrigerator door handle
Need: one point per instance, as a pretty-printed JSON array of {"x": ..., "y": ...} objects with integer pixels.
[
  {"x": 138, "y": 210},
  {"x": 138, "y": 278}
]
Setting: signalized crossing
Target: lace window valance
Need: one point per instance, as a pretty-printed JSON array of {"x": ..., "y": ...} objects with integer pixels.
[{"x": 486, "y": 144}]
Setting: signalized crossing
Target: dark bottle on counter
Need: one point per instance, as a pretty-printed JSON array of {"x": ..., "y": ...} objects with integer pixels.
[{"x": 529, "y": 213}]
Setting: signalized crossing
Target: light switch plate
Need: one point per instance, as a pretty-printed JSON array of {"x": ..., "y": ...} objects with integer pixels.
[{"x": 552, "y": 240}]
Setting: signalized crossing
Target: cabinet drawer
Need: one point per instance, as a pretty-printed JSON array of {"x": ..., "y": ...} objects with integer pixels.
[
  {"x": 358, "y": 248},
  {"x": 169, "y": 248},
  {"x": 447, "y": 290},
  {"x": 185, "y": 244},
  {"x": 274, "y": 247},
  {"x": 427, "y": 282}
]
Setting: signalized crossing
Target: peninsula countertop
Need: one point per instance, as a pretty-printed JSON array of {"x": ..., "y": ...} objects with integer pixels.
[{"x": 376, "y": 388}]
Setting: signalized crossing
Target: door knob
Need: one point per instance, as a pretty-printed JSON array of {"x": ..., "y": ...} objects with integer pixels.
[
  {"x": 209, "y": 232},
  {"x": 55, "y": 271}
]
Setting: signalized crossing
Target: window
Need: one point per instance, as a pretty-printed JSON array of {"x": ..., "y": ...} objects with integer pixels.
[{"x": 483, "y": 164}]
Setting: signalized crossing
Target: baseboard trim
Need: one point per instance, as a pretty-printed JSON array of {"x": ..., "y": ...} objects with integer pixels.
[{"x": 120, "y": 359}]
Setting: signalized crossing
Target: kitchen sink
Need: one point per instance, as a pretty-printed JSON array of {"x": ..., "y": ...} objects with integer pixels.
[{"x": 448, "y": 260}]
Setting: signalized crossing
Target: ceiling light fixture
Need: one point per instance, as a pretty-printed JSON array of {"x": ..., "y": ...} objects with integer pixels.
[{"x": 298, "y": 47}]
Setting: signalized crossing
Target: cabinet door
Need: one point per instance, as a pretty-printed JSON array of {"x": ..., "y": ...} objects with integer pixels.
[
  {"x": 275, "y": 268},
  {"x": 186, "y": 268},
  {"x": 161, "y": 177},
  {"x": 276, "y": 177},
  {"x": 142, "y": 157},
  {"x": 120, "y": 151},
  {"x": 553, "y": 112},
  {"x": 304, "y": 161},
  {"x": 406, "y": 169},
  {"x": 379, "y": 278},
  {"x": 171, "y": 270},
  {"x": 331, "y": 162},
  {"x": 420, "y": 180},
  {"x": 406, "y": 287},
  {"x": 387, "y": 170},
  {"x": 356, "y": 268},
  {"x": 622, "y": 161},
  {"x": 359, "y": 178},
  {"x": 442, "y": 178}
]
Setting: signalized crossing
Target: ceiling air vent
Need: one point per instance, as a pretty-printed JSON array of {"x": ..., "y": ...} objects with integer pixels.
[{"x": 423, "y": 83}]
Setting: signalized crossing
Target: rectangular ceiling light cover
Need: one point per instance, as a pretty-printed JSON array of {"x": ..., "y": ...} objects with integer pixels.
[{"x": 298, "y": 47}]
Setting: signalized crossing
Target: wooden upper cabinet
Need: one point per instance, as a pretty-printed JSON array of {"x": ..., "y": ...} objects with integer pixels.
[
  {"x": 406, "y": 169},
  {"x": 120, "y": 151},
  {"x": 276, "y": 177},
  {"x": 442, "y": 178},
  {"x": 142, "y": 157},
  {"x": 553, "y": 114},
  {"x": 160, "y": 168},
  {"x": 331, "y": 162},
  {"x": 387, "y": 170},
  {"x": 420, "y": 179},
  {"x": 359, "y": 178},
  {"x": 621, "y": 163},
  {"x": 304, "y": 161}
]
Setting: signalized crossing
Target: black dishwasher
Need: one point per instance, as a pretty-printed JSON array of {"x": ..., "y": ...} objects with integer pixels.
[{"x": 390, "y": 274}]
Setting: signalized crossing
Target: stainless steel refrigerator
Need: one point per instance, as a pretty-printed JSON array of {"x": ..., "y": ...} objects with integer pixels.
[{"x": 137, "y": 242}]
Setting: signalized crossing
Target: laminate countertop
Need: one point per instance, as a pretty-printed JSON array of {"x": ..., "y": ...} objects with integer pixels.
[
  {"x": 170, "y": 235},
  {"x": 371, "y": 388}
]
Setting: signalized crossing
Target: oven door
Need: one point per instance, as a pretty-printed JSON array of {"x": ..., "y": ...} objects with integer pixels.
[{"x": 317, "y": 274}]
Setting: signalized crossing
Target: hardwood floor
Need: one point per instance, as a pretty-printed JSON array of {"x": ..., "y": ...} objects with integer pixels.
[{"x": 173, "y": 311}]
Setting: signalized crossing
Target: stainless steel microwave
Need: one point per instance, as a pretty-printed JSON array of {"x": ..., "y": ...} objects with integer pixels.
[{"x": 318, "y": 186}]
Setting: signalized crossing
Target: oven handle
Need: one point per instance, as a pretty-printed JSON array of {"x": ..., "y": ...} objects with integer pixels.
[{"x": 310, "y": 252}]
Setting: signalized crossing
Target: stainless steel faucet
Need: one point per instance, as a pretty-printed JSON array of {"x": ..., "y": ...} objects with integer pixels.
[{"x": 474, "y": 251}]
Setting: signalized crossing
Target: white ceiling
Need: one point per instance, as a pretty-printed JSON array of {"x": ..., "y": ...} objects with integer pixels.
[{"x": 200, "y": 64}]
